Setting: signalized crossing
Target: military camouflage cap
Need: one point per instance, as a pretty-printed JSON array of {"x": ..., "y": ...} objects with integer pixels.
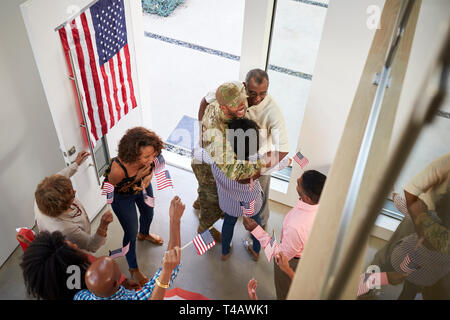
[{"x": 231, "y": 94}]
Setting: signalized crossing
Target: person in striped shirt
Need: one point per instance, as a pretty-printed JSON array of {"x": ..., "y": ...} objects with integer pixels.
[{"x": 102, "y": 277}]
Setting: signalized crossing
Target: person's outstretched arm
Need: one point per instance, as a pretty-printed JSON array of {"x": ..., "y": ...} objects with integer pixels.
[
  {"x": 175, "y": 212},
  {"x": 171, "y": 260}
]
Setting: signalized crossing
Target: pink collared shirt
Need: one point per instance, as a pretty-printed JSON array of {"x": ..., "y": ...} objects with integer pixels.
[{"x": 296, "y": 229}]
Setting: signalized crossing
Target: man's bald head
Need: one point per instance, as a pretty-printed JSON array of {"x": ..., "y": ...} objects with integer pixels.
[{"x": 103, "y": 276}]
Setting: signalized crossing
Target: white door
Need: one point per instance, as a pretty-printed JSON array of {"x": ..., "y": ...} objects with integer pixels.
[{"x": 41, "y": 18}]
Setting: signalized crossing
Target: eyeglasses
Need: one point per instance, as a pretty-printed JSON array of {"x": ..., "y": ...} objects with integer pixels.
[{"x": 253, "y": 94}]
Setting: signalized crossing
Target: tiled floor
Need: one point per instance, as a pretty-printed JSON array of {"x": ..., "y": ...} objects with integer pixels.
[{"x": 205, "y": 274}]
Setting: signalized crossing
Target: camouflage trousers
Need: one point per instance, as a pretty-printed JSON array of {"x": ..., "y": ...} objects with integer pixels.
[{"x": 210, "y": 210}]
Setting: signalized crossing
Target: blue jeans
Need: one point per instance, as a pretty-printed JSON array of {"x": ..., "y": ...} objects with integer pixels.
[
  {"x": 124, "y": 206},
  {"x": 228, "y": 230}
]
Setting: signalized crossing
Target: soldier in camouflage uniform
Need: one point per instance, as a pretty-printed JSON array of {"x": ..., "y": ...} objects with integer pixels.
[
  {"x": 263, "y": 109},
  {"x": 231, "y": 102}
]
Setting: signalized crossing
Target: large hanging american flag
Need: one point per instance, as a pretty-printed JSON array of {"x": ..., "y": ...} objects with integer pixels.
[{"x": 97, "y": 39}]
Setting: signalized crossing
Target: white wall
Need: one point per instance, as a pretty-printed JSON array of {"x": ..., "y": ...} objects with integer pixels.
[
  {"x": 343, "y": 50},
  {"x": 28, "y": 143}
]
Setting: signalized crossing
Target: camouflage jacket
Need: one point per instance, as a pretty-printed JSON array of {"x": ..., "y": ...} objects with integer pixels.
[{"x": 214, "y": 141}]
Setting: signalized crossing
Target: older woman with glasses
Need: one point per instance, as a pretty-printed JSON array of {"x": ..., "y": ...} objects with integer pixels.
[{"x": 57, "y": 209}]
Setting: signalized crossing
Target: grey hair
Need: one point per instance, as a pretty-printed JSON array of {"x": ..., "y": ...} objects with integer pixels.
[{"x": 257, "y": 74}]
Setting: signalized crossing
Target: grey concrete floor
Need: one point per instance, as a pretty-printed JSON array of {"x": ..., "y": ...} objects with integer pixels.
[{"x": 205, "y": 274}]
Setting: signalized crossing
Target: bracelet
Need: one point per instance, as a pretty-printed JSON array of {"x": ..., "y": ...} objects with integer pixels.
[{"x": 161, "y": 285}]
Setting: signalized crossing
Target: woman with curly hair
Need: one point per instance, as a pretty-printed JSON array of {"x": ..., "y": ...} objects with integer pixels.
[{"x": 131, "y": 172}]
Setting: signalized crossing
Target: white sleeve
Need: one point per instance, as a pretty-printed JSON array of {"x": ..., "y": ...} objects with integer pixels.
[
  {"x": 210, "y": 97},
  {"x": 69, "y": 171}
]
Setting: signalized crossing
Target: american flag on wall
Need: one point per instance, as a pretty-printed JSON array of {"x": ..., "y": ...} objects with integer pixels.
[{"x": 97, "y": 39}]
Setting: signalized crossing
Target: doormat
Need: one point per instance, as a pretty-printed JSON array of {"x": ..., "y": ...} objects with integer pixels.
[{"x": 183, "y": 134}]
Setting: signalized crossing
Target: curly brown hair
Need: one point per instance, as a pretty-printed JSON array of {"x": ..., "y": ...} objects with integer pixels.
[
  {"x": 134, "y": 139},
  {"x": 54, "y": 195}
]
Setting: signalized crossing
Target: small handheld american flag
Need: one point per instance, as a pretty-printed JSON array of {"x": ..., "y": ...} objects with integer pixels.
[
  {"x": 301, "y": 160},
  {"x": 119, "y": 252},
  {"x": 408, "y": 265},
  {"x": 150, "y": 201},
  {"x": 160, "y": 163},
  {"x": 107, "y": 188},
  {"x": 203, "y": 242},
  {"x": 109, "y": 198},
  {"x": 248, "y": 208},
  {"x": 269, "y": 250},
  {"x": 163, "y": 180}
]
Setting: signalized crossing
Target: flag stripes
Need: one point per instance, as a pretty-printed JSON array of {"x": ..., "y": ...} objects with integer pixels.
[
  {"x": 102, "y": 64},
  {"x": 107, "y": 188}
]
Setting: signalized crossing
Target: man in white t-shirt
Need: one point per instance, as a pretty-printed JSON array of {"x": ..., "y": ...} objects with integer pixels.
[{"x": 264, "y": 110}]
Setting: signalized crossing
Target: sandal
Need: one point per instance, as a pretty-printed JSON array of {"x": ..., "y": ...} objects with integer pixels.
[
  {"x": 138, "y": 276},
  {"x": 153, "y": 238}
]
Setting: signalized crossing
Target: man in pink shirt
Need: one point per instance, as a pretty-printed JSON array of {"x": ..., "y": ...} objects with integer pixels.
[{"x": 296, "y": 229}]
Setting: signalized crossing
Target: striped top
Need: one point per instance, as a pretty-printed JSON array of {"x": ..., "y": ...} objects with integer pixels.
[{"x": 231, "y": 193}]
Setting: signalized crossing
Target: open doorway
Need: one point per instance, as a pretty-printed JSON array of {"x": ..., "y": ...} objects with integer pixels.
[{"x": 190, "y": 48}]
